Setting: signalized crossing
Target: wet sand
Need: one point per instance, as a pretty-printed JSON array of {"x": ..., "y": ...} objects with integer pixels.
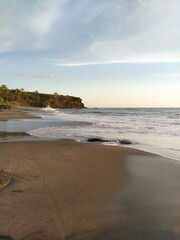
[
  {"x": 5, "y": 179},
  {"x": 69, "y": 190},
  {"x": 15, "y": 114}
]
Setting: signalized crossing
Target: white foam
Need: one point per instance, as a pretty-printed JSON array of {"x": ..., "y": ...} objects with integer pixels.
[
  {"x": 155, "y": 131},
  {"x": 49, "y": 109}
]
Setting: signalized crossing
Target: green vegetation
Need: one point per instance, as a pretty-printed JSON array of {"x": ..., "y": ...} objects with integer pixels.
[{"x": 19, "y": 97}]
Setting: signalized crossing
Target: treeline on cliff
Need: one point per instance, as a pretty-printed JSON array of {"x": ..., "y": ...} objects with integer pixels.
[{"x": 19, "y": 97}]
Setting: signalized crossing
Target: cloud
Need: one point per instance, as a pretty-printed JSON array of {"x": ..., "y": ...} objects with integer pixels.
[
  {"x": 72, "y": 33},
  {"x": 52, "y": 75},
  {"x": 20, "y": 74},
  {"x": 59, "y": 80},
  {"x": 25, "y": 24},
  {"x": 167, "y": 75}
]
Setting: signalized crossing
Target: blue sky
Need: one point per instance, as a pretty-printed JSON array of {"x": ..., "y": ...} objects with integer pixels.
[{"x": 111, "y": 53}]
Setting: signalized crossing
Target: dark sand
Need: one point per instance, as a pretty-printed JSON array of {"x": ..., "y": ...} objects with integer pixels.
[
  {"x": 67, "y": 190},
  {"x": 15, "y": 114},
  {"x": 5, "y": 179},
  {"x": 13, "y": 134}
]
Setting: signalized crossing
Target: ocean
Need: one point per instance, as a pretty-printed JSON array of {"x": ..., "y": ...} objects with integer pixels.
[{"x": 155, "y": 130}]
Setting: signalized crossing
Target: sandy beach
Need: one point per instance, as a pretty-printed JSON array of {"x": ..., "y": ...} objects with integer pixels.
[
  {"x": 15, "y": 114},
  {"x": 68, "y": 190}
]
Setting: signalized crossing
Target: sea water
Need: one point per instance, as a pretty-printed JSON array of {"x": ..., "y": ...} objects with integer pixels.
[{"x": 155, "y": 130}]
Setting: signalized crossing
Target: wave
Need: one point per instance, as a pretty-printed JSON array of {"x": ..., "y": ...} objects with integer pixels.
[{"x": 148, "y": 128}]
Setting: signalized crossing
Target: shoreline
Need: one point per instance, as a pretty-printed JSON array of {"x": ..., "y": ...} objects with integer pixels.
[
  {"x": 63, "y": 189},
  {"x": 19, "y": 113},
  {"x": 27, "y": 113},
  {"x": 154, "y": 153}
]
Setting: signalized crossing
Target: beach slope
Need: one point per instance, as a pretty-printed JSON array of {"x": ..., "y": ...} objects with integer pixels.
[
  {"x": 15, "y": 114},
  {"x": 69, "y": 190}
]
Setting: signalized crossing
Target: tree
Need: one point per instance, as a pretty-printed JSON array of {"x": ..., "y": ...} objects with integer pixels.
[
  {"x": 1, "y": 100},
  {"x": 4, "y": 86},
  {"x": 17, "y": 94},
  {"x": 4, "y": 92}
]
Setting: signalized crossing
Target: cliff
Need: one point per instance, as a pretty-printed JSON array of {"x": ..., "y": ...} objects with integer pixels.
[{"x": 19, "y": 97}]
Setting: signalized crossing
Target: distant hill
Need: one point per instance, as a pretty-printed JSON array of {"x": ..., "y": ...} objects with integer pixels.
[{"x": 19, "y": 97}]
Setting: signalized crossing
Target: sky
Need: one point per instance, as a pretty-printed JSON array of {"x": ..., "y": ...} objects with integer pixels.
[{"x": 110, "y": 53}]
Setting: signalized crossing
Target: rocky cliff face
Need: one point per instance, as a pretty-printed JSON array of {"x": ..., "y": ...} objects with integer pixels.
[
  {"x": 61, "y": 101},
  {"x": 19, "y": 97}
]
